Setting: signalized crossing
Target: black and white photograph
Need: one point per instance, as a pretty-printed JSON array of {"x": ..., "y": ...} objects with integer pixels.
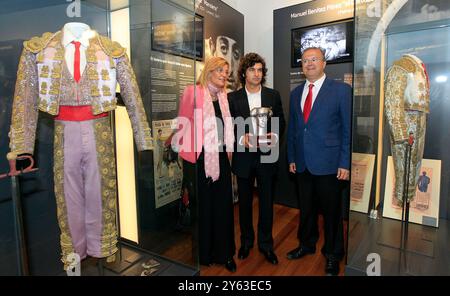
[
  {"x": 223, "y": 36},
  {"x": 334, "y": 39}
]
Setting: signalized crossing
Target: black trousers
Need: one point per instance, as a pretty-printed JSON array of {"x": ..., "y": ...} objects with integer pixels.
[
  {"x": 265, "y": 180},
  {"x": 321, "y": 193},
  {"x": 216, "y": 214}
]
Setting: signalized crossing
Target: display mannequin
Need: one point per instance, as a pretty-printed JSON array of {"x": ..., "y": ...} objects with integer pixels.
[
  {"x": 407, "y": 100},
  {"x": 72, "y": 75}
]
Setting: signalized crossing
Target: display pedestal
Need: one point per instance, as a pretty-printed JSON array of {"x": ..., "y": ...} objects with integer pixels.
[
  {"x": 382, "y": 237},
  {"x": 406, "y": 241},
  {"x": 412, "y": 242},
  {"x": 126, "y": 257}
]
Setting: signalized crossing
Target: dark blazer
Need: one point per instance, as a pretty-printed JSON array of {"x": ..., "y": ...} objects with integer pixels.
[
  {"x": 322, "y": 144},
  {"x": 238, "y": 101}
]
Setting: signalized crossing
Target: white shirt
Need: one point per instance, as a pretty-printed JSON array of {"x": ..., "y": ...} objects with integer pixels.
[
  {"x": 315, "y": 90},
  {"x": 254, "y": 101},
  {"x": 76, "y": 32}
]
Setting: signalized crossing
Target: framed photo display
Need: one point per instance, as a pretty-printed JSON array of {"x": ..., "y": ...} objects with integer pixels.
[
  {"x": 361, "y": 181},
  {"x": 336, "y": 39},
  {"x": 424, "y": 209}
]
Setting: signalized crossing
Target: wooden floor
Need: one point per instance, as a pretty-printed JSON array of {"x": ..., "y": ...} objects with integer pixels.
[{"x": 285, "y": 239}]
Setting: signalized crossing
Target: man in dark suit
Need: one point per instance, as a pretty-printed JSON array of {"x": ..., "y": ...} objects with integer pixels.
[
  {"x": 248, "y": 160},
  {"x": 319, "y": 154}
]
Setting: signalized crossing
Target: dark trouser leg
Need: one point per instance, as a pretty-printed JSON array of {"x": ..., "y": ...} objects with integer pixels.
[
  {"x": 222, "y": 214},
  {"x": 330, "y": 198},
  {"x": 308, "y": 232},
  {"x": 245, "y": 191},
  {"x": 265, "y": 219},
  {"x": 205, "y": 225}
]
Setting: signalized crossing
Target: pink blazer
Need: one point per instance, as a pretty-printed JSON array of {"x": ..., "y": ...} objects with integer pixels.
[{"x": 190, "y": 124}]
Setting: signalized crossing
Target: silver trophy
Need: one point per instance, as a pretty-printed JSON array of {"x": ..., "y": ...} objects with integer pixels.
[{"x": 262, "y": 116}]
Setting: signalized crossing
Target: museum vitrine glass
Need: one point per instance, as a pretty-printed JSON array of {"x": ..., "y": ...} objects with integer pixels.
[
  {"x": 400, "y": 102},
  {"x": 144, "y": 226}
]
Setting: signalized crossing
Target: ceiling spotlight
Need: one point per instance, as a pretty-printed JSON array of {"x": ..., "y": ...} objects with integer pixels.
[{"x": 441, "y": 79}]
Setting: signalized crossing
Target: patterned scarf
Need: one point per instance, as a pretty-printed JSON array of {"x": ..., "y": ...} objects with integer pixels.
[{"x": 210, "y": 132}]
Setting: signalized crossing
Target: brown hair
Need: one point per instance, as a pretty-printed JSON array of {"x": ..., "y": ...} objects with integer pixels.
[{"x": 249, "y": 60}]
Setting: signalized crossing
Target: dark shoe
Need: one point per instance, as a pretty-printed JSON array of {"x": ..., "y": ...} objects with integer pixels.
[
  {"x": 299, "y": 252},
  {"x": 231, "y": 265},
  {"x": 270, "y": 256},
  {"x": 243, "y": 253},
  {"x": 332, "y": 267},
  {"x": 206, "y": 262}
]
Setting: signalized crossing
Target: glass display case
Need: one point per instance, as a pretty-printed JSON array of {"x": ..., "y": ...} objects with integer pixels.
[
  {"x": 401, "y": 98},
  {"x": 157, "y": 232}
]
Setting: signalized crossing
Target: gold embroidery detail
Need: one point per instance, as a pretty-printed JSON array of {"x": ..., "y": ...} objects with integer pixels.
[
  {"x": 53, "y": 108},
  {"x": 394, "y": 103},
  {"x": 54, "y": 88},
  {"x": 95, "y": 92},
  {"x": 106, "y": 106},
  {"x": 105, "y": 75},
  {"x": 96, "y": 108},
  {"x": 40, "y": 57},
  {"x": 106, "y": 91},
  {"x": 59, "y": 54},
  {"x": 112, "y": 65},
  {"x": 417, "y": 124},
  {"x": 17, "y": 133},
  {"x": 58, "y": 169},
  {"x": 407, "y": 64},
  {"x": 92, "y": 74},
  {"x": 36, "y": 44},
  {"x": 56, "y": 71},
  {"x": 111, "y": 48},
  {"x": 43, "y": 88},
  {"x": 104, "y": 144},
  {"x": 91, "y": 57},
  {"x": 44, "y": 71},
  {"x": 43, "y": 105}
]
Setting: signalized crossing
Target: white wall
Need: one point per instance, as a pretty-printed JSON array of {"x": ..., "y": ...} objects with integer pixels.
[{"x": 258, "y": 15}]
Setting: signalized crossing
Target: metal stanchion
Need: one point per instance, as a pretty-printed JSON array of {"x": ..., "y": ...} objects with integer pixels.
[{"x": 405, "y": 201}]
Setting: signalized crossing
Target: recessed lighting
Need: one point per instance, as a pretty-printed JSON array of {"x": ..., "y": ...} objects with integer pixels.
[{"x": 441, "y": 79}]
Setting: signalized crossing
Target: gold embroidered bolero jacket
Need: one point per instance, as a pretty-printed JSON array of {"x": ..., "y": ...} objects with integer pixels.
[
  {"x": 44, "y": 83},
  {"x": 406, "y": 88}
]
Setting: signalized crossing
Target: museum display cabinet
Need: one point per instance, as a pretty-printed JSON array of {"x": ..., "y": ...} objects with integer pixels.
[
  {"x": 156, "y": 229},
  {"x": 399, "y": 144}
]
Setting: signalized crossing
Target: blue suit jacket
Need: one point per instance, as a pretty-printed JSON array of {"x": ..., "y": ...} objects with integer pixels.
[{"x": 322, "y": 144}]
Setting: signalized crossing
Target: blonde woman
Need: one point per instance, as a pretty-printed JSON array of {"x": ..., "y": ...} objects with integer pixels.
[{"x": 204, "y": 137}]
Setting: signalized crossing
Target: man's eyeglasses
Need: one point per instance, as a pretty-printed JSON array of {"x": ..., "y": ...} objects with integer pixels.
[{"x": 311, "y": 60}]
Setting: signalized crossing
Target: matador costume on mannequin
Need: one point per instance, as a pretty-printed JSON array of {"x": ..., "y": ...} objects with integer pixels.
[
  {"x": 72, "y": 75},
  {"x": 407, "y": 101}
]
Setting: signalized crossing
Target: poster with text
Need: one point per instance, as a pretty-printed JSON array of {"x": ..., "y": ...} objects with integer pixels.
[
  {"x": 361, "y": 181},
  {"x": 424, "y": 209},
  {"x": 167, "y": 164}
]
